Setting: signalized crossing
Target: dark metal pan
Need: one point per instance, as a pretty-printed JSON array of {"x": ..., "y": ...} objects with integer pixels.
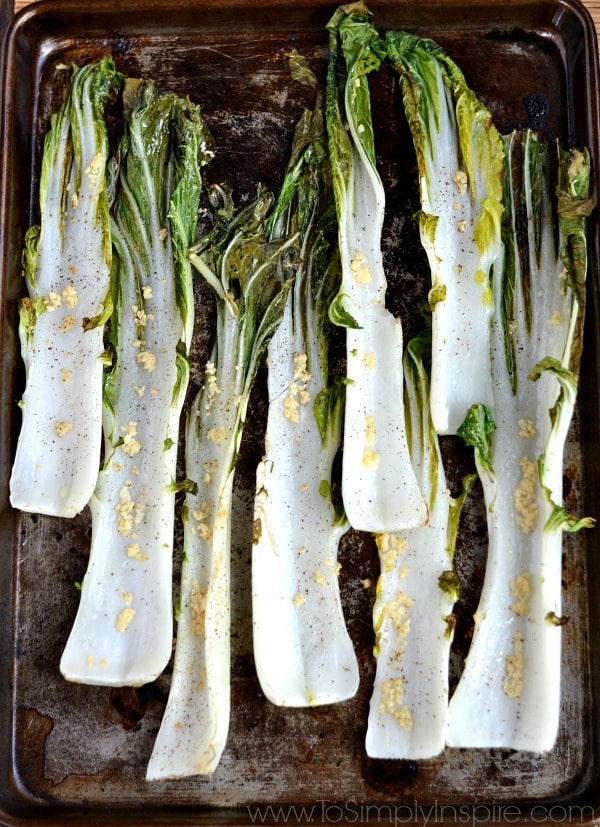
[{"x": 79, "y": 753}]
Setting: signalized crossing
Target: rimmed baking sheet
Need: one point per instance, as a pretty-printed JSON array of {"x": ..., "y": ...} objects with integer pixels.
[{"x": 83, "y": 750}]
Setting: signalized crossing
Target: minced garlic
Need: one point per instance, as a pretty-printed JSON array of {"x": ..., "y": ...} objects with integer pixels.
[
  {"x": 359, "y": 266},
  {"x": 135, "y": 552},
  {"x": 52, "y": 301},
  {"x": 526, "y": 427},
  {"x": 198, "y": 609},
  {"x": 298, "y": 393},
  {"x": 70, "y": 296},
  {"x": 300, "y": 364},
  {"x": 398, "y": 611},
  {"x": 371, "y": 431},
  {"x": 461, "y": 180},
  {"x": 94, "y": 168},
  {"x": 521, "y": 590},
  {"x": 217, "y": 435},
  {"x": 124, "y": 618},
  {"x": 370, "y": 459},
  {"x": 68, "y": 323},
  {"x": 390, "y": 546},
  {"x": 210, "y": 467},
  {"x": 392, "y": 702},
  {"x": 139, "y": 315},
  {"x": 524, "y": 497},
  {"x": 131, "y": 446},
  {"x": 62, "y": 428},
  {"x": 129, "y": 512},
  {"x": 147, "y": 360},
  {"x": 201, "y": 526},
  {"x": 369, "y": 361},
  {"x": 211, "y": 387},
  {"x": 512, "y": 685}
]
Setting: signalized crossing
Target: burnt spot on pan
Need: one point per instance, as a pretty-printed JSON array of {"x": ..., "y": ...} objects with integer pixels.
[
  {"x": 127, "y": 705},
  {"x": 121, "y": 46},
  {"x": 390, "y": 777},
  {"x": 536, "y": 107}
]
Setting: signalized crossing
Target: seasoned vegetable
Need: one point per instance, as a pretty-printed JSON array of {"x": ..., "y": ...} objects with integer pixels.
[
  {"x": 242, "y": 265},
  {"x": 379, "y": 488},
  {"x": 460, "y": 161},
  {"x": 511, "y": 683},
  {"x": 302, "y": 650},
  {"x": 67, "y": 261},
  {"x": 123, "y": 631},
  {"x": 416, "y": 591}
]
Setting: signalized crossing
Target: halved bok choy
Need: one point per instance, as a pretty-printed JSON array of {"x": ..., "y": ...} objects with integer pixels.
[
  {"x": 67, "y": 261},
  {"x": 379, "y": 487},
  {"x": 244, "y": 268},
  {"x": 123, "y": 631},
  {"x": 460, "y": 162},
  {"x": 509, "y": 693},
  {"x": 303, "y": 653},
  {"x": 416, "y": 590}
]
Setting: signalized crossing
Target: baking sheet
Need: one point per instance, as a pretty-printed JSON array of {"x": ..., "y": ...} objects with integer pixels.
[{"x": 82, "y": 751}]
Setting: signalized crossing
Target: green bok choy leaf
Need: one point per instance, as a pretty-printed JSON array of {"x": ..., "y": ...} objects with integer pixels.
[
  {"x": 123, "y": 631},
  {"x": 67, "y": 260},
  {"x": 243, "y": 266},
  {"x": 416, "y": 591},
  {"x": 511, "y": 682},
  {"x": 460, "y": 162},
  {"x": 379, "y": 487},
  {"x": 302, "y": 650}
]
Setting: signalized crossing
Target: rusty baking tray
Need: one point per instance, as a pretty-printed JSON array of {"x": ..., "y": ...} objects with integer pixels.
[{"x": 79, "y": 753}]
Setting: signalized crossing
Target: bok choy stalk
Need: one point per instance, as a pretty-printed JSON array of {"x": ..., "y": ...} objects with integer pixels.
[
  {"x": 67, "y": 260},
  {"x": 460, "y": 162},
  {"x": 379, "y": 487},
  {"x": 123, "y": 632},
  {"x": 509, "y": 693},
  {"x": 303, "y": 653},
  {"x": 416, "y": 591},
  {"x": 243, "y": 267}
]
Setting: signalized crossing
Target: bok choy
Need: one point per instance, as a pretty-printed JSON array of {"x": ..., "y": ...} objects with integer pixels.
[
  {"x": 302, "y": 651},
  {"x": 123, "y": 631},
  {"x": 510, "y": 687},
  {"x": 67, "y": 262},
  {"x": 460, "y": 162},
  {"x": 379, "y": 487},
  {"x": 243, "y": 267},
  {"x": 416, "y": 591}
]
